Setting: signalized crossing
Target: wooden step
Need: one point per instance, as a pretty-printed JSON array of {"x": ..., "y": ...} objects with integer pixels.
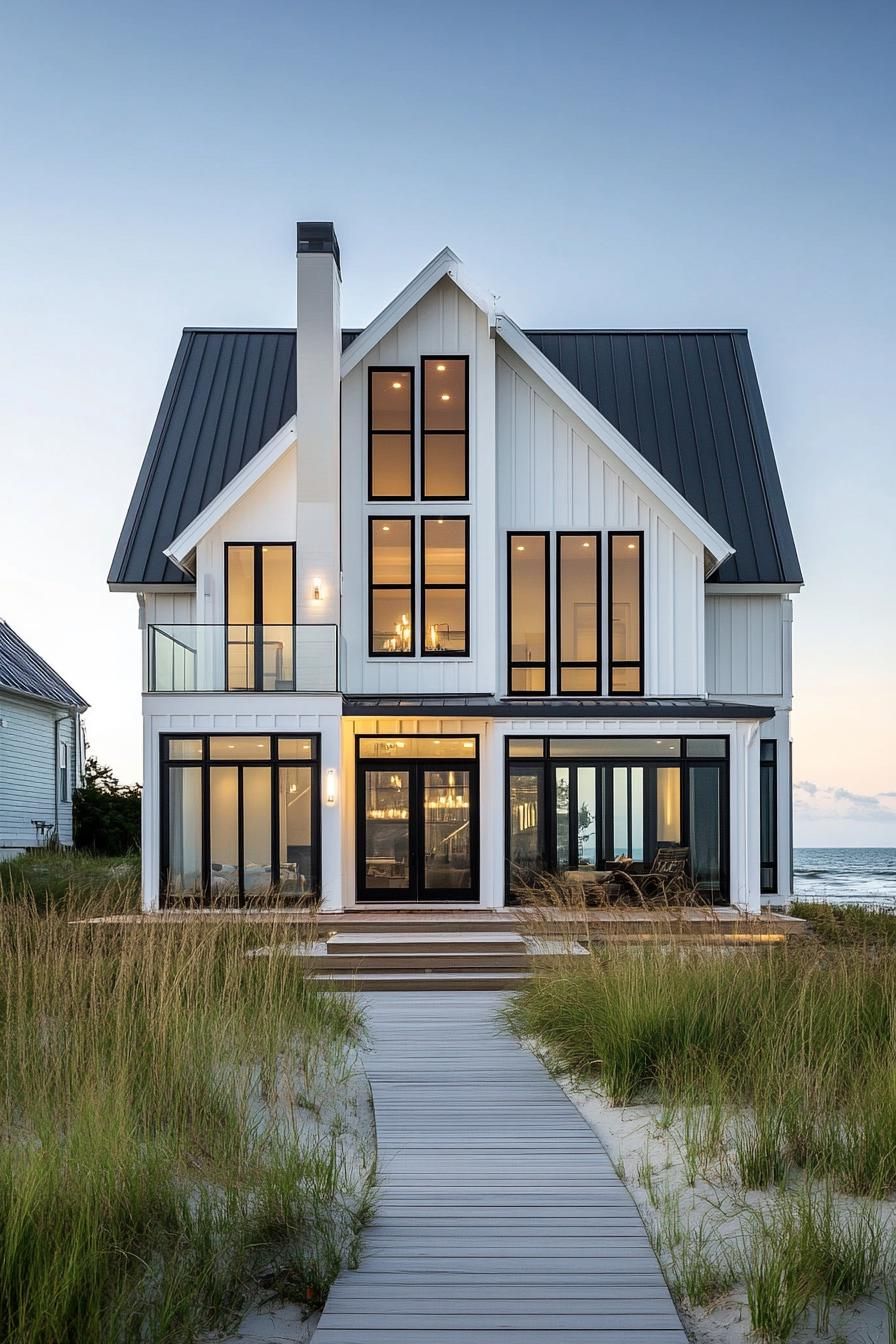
[
  {"x": 460, "y": 959},
  {"x": 371, "y": 944},
  {"x": 422, "y": 980}
]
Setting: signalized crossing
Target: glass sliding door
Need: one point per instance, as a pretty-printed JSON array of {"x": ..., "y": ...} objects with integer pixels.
[
  {"x": 259, "y": 608},
  {"x": 184, "y": 830},
  {"x": 417, "y": 820},
  {"x": 587, "y": 802}
]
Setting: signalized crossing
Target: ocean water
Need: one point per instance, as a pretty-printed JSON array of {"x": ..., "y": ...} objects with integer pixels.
[{"x": 851, "y": 876}]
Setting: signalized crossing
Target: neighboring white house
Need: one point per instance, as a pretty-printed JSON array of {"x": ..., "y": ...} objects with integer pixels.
[
  {"x": 439, "y": 603},
  {"x": 41, "y": 748}
]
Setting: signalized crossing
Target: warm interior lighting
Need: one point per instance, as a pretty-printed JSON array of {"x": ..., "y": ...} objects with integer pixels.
[
  {"x": 397, "y": 386},
  {"x": 631, "y": 546},
  {"x": 446, "y": 396},
  {"x": 385, "y": 527},
  {"x": 521, "y": 548},
  {"x": 587, "y": 545},
  {"x": 330, "y": 794},
  {"x": 315, "y": 590},
  {"x": 400, "y": 642},
  {"x": 441, "y": 368}
]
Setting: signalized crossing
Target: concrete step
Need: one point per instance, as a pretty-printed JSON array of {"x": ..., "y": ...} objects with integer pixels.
[{"x": 418, "y": 980}]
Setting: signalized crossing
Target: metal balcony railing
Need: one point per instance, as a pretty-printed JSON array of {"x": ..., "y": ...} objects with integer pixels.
[{"x": 269, "y": 658}]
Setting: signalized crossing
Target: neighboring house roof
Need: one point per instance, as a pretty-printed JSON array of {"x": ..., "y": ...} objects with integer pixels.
[
  {"x": 688, "y": 401},
  {"x": 24, "y": 672}
]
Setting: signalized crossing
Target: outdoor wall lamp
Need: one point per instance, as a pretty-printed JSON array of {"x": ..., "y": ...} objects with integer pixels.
[
  {"x": 330, "y": 789},
  {"x": 315, "y": 590}
]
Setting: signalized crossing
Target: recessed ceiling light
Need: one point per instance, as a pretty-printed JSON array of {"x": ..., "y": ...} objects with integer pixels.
[
  {"x": 446, "y": 396},
  {"x": 587, "y": 545},
  {"x": 469, "y": 746},
  {"x": 631, "y": 545},
  {"x": 441, "y": 368},
  {"x": 397, "y": 386},
  {"x": 440, "y": 521},
  {"x": 521, "y": 548},
  {"x": 385, "y": 527}
]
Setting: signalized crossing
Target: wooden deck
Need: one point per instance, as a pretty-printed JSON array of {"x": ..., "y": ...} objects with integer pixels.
[{"x": 500, "y": 1219}]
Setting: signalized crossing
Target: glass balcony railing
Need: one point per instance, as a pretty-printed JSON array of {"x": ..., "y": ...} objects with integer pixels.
[{"x": 298, "y": 658}]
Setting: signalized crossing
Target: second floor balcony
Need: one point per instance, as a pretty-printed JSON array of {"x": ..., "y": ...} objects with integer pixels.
[{"x": 302, "y": 659}]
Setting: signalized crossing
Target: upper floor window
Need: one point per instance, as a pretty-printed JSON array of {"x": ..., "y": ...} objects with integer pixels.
[
  {"x": 445, "y": 425},
  {"x": 390, "y": 619},
  {"x": 391, "y": 433},
  {"x": 259, "y": 613},
  {"x": 446, "y": 586},
  {"x": 528, "y": 565},
  {"x": 578, "y": 626},
  {"x": 626, "y": 613}
]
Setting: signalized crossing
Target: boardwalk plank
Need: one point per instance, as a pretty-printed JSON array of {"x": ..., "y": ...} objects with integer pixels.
[{"x": 501, "y": 1219}]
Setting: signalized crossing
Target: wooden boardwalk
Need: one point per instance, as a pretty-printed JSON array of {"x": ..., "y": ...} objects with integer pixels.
[{"x": 500, "y": 1219}]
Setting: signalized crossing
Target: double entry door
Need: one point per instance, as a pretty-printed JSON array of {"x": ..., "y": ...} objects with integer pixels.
[{"x": 417, "y": 830}]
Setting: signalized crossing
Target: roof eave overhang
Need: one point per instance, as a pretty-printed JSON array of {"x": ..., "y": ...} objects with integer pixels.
[
  {"x": 717, "y": 548},
  {"x": 182, "y": 550},
  {"x": 33, "y": 697},
  {"x": 446, "y": 263}
]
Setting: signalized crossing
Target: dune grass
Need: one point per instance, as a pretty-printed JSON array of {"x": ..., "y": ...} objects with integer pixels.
[
  {"x": 66, "y": 878},
  {"x": 846, "y": 925},
  {"x": 778, "y": 1067},
  {"x": 176, "y": 1120}
]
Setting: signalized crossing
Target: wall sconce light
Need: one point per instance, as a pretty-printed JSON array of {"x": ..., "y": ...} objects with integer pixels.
[
  {"x": 330, "y": 789},
  {"x": 315, "y": 590}
]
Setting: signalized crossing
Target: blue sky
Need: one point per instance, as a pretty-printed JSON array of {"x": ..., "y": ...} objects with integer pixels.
[{"x": 602, "y": 164}]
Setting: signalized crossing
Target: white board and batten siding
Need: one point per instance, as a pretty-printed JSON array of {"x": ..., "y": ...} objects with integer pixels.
[
  {"x": 444, "y": 322},
  {"x": 554, "y": 474},
  {"x": 29, "y": 771},
  {"x": 748, "y": 646}
]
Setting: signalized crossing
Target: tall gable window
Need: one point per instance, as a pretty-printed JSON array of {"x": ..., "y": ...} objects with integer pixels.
[
  {"x": 626, "y": 614},
  {"x": 528, "y": 564},
  {"x": 578, "y": 624},
  {"x": 445, "y": 426},
  {"x": 446, "y": 591},
  {"x": 391, "y": 433},
  {"x": 391, "y": 614}
]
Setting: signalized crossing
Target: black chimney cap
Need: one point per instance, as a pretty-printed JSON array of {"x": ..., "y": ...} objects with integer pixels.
[{"x": 318, "y": 236}]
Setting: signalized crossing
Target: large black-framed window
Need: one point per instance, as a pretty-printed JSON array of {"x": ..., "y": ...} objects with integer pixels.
[
  {"x": 391, "y": 594},
  {"x": 390, "y": 433},
  {"x": 445, "y": 426},
  {"x": 578, "y": 613},
  {"x": 625, "y": 612},
  {"x": 768, "y": 816},
  {"x": 445, "y": 574},
  {"x": 528, "y": 613},
  {"x": 582, "y": 803},
  {"x": 260, "y": 614},
  {"x": 240, "y": 817}
]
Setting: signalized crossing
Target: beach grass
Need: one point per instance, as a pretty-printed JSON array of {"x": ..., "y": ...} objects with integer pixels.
[
  {"x": 772, "y": 1074},
  {"x": 65, "y": 877},
  {"x": 177, "y": 1124},
  {"x": 847, "y": 925}
]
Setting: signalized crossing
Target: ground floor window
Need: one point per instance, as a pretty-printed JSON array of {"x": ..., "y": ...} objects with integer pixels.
[
  {"x": 768, "y": 819},
  {"x": 580, "y": 803},
  {"x": 240, "y": 818}
]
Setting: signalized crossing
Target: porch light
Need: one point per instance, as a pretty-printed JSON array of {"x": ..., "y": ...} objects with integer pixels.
[
  {"x": 315, "y": 590},
  {"x": 330, "y": 791}
]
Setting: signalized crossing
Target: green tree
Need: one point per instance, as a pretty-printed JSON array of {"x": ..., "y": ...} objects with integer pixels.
[{"x": 106, "y": 813}]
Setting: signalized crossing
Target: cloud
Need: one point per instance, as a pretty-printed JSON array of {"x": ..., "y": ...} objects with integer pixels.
[{"x": 833, "y": 802}]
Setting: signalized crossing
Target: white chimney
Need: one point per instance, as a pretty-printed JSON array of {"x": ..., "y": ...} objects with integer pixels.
[{"x": 318, "y": 355}]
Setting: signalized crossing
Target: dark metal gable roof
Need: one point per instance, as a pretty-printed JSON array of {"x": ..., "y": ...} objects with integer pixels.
[
  {"x": 228, "y": 393},
  {"x": 24, "y": 671},
  {"x": 688, "y": 400}
]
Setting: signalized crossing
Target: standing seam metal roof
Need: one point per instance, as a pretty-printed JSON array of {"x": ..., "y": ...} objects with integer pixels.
[
  {"x": 688, "y": 401},
  {"x": 24, "y": 671}
]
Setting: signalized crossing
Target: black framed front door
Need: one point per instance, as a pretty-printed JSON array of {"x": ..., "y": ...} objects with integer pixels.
[{"x": 417, "y": 834}]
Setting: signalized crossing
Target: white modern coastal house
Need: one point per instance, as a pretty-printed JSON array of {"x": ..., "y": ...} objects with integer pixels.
[{"x": 434, "y": 605}]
